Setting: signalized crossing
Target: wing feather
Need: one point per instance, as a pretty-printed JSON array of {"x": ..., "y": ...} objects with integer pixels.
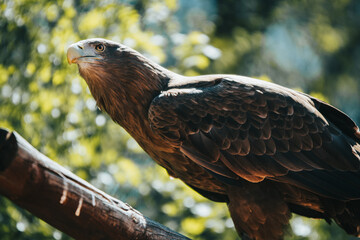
[{"x": 257, "y": 130}]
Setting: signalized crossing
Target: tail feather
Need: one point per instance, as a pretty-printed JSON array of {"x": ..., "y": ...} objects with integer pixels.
[{"x": 258, "y": 211}]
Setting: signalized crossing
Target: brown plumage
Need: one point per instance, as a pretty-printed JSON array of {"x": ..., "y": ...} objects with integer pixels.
[{"x": 264, "y": 149}]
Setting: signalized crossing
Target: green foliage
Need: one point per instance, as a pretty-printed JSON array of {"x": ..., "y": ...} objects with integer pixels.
[{"x": 296, "y": 43}]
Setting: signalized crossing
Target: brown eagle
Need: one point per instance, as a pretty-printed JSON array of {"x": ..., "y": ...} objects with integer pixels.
[{"x": 264, "y": 149}]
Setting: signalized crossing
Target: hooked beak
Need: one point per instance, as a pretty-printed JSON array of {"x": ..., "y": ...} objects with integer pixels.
[{"x": 76, "y": 53}]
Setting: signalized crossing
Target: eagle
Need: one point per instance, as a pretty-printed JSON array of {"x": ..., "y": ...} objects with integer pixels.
[{"x": 264, "y": 149}]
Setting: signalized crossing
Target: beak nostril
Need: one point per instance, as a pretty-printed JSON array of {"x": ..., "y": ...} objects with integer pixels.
[{"x": 80, "y": 46}]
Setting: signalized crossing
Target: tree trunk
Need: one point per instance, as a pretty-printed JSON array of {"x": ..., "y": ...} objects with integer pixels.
[{"x": 65, "y": 201}]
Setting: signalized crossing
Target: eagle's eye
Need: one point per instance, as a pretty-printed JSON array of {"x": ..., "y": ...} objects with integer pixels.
[{"x": 100, "y": 47}]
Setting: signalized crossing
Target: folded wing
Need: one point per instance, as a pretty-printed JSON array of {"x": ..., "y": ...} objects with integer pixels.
[{"x": 245, "y": 128}]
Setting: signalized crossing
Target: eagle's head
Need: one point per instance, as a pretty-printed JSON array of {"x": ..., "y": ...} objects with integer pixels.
[
  {"x": 91, "y": 51},
  {"x": 100, "y": 60},
  {"x": 117, "y": 75}
]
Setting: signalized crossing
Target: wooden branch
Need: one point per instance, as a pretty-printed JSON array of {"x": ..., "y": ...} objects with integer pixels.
[{"x": 65, "y": 201}]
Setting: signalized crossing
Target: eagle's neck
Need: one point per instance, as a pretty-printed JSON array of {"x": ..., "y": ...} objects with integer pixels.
[{"x": 125, "y": 90}]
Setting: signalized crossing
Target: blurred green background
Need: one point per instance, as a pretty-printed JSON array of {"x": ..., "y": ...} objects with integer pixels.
[{"x": 312, "y": 46}]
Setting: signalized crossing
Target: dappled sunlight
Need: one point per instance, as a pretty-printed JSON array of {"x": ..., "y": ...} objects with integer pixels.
[{"x": 308, "y": 46}]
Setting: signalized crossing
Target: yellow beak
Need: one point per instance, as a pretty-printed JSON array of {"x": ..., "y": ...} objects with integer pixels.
[{"x": 73, "y": 53}]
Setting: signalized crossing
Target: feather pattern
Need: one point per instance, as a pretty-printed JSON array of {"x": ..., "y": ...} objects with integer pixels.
[{"x": 283, "y": 124}]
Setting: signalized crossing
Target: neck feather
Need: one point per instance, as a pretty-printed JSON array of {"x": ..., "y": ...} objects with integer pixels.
[{"x": 125, "y": 87}]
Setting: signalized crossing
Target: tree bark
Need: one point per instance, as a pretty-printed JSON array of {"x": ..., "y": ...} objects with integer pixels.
[{"x": 65, "y": 201}]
